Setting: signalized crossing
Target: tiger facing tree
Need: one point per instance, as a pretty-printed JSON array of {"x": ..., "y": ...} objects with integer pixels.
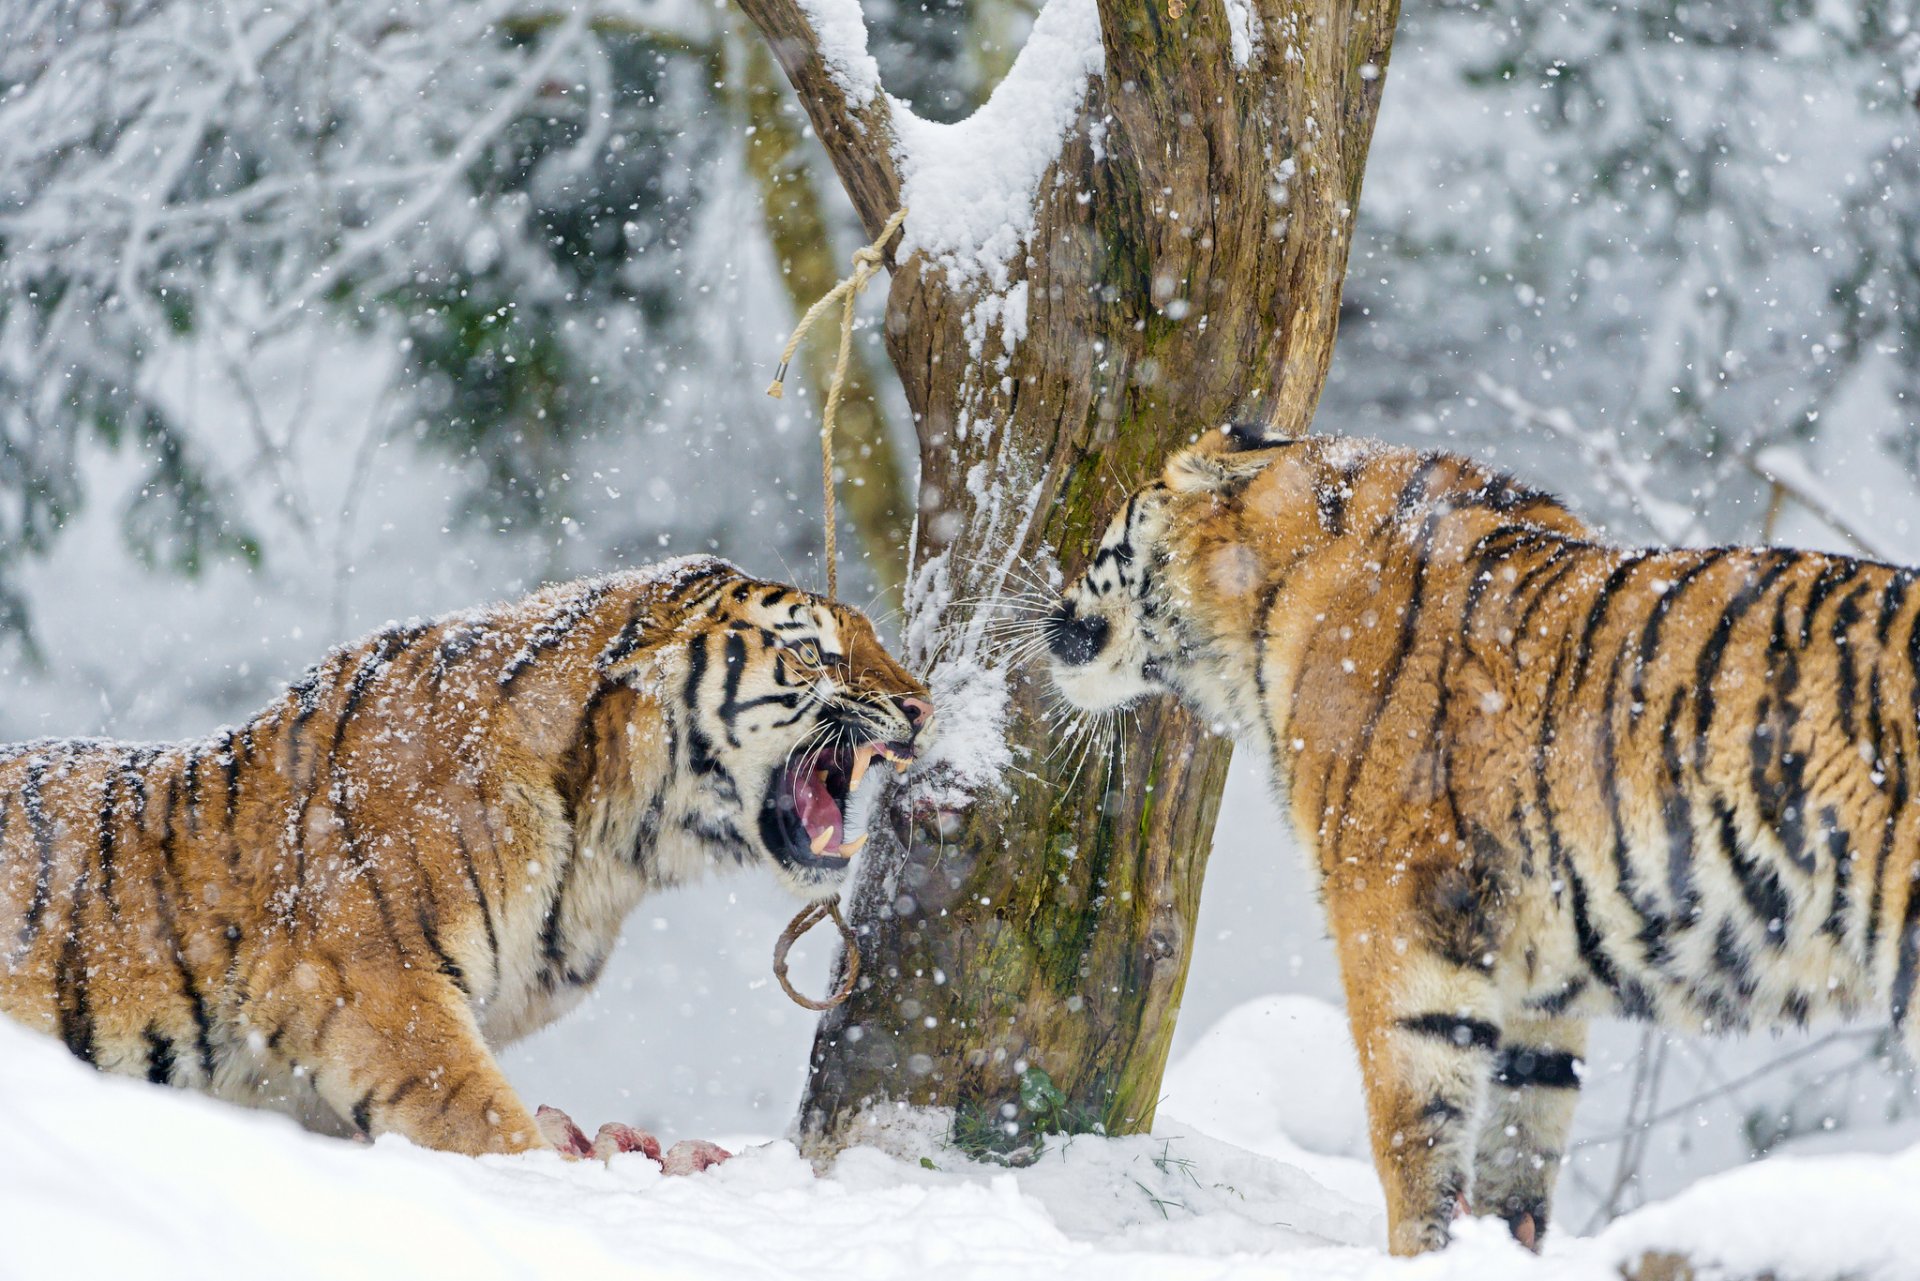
[
  {"x": 426, "y": 847},
  {"x": 1540, "y": 777}
]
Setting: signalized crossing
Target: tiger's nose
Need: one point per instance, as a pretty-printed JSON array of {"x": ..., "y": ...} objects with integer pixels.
[
  {"x": 1073, "y": 639},
  {"x": 919, "y": 714}
]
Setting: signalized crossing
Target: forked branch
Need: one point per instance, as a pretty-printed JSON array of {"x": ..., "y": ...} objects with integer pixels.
[{"x": 858, "y": 135}]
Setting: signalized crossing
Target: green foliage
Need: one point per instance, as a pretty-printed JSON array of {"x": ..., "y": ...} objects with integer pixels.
[{"x": 509, "y": 343}]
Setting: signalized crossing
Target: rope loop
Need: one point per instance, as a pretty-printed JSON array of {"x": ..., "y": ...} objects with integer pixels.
[
  {"x": 811, "y": 915},
  {"x": 867, "y": 263}
]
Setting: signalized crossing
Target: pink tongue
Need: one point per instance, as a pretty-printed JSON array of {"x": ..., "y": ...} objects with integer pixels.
[{"x": 816, "y": 806}]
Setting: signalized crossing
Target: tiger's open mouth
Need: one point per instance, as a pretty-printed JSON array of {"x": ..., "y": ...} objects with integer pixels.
[{"x": 817, "y": 801}]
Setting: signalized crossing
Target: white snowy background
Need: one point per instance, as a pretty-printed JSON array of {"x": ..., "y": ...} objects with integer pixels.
[{"x": 1660, "y": 258}]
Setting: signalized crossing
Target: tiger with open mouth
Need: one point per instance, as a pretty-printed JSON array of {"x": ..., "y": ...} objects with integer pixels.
[{"x": 426, "y": 847}]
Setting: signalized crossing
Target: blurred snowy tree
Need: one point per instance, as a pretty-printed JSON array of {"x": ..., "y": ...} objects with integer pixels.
[
  {"x": 507, "y": 193},
  {"x": 1691, "y": 225}
]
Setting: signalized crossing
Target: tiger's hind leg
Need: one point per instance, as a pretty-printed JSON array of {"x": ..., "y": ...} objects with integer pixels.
[
  {"x": 395, "y": 1051},
  {"x": 1427, "y": 1032},
  {"x": 1523, "y": 1138}
]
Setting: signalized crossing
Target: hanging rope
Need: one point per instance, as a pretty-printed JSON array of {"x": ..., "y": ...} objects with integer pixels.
[
  {"x": 866, "y": 264},
  {"x": 811, "y": 915}
]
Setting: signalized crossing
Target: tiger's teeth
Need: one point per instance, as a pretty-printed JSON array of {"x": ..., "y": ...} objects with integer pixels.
[
  {"x": 822, "y": 839},
  {"x": 855, "y": 845},
  {"x": 862, "y": 756},
  {"x": 901, "y": 764}
]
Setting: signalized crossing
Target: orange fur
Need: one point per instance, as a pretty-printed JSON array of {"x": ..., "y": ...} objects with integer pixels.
[
  {"x": 426, "y": 847},
  {"x": 1539, "y": 777}
]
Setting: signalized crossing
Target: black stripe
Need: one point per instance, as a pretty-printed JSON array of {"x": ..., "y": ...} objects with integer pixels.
[
  {"x": 230, "y": 763},
  {"x": 1782, "y": 803},
  {"x": 1840, "y": 853},
  {"x": 736, "y": 659},
  {"x": 193, "y": 790},
  {"x": 42, "y": 831},
  {"x": 386, "y": 647},
  {"x": 71, "y": 978},
  {"x": 1676, "y": 811},
  {"x": 1892, "y": 598},
  {"x": 1833, "y": 574},
  {"x": 458, "y": 642},
  {"x": 1597, "y": 614},
  {"x": 159, "y": 1057},
  {"x": 104, "y": 821},
  {"x": 1656, "y": 620},
  {"x": 1759, "y": 884},
  {"x": 553, "y": 631},
  {"x": 308, "y": 692},
  {"x": 1707, "y": 667},
  {"x": 1730, "y": 959},
  {"x": 628, "y": 641},
  {"x": 403, "y": 1089},
  {"x": 446, "y": 964},
  {"x": 1905, "y": 967},
  {"x": 1652, "y": 933},
  {"x": 480, "y": 897},
  {"x": 1631, "y": 999},
  {"x": 552, "y": 946},
  {"x": 1563, "y": 560},
  {"x": 1456, "y": 1029},
  {"x": 1523, "y": 1066},
  {"x": 363, "y": 1114},
  {"x": 1560, "y": 1001},
  {"x": 1269, "y": 593},
  {"x": 202, "y": 1020},
  {"x": 1845, "y": 615}
]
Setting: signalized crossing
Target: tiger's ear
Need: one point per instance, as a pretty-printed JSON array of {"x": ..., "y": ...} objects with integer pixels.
[{"x": 1222, "y": 460}]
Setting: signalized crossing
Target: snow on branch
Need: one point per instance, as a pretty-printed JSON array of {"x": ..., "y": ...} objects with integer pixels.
[{"x": 972, "y": 187}]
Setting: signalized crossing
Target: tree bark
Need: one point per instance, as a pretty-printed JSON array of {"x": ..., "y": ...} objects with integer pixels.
[
  {"x": 1184, "y": 271},
  {"x": 872, "y": 481}
]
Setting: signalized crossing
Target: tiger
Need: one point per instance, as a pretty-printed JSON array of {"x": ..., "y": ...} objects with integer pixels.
[
  {"x": 1538, "y": 777},
  {"x": 425, "y": 847}
]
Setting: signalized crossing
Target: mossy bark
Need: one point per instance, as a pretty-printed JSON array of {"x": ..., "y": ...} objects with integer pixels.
[{"x": 1184, "y": 272}]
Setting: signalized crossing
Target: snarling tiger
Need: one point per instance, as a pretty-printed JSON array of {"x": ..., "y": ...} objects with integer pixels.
[
  {"x": 426, "y": 847},
  {"x": 1540, "y": 777}
]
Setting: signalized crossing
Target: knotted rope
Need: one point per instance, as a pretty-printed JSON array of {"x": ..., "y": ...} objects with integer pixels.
[
  {"x": 811, "y": 915},
  {"x": 866, "y": 264}
]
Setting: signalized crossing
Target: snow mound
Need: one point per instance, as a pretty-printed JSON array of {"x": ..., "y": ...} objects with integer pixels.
[
  {"x": 1276, "y": 1074},
  {"x": 1789, "y": 1217}
]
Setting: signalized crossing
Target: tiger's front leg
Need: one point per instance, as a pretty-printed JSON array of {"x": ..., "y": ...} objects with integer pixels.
[
  {"x": 395, "y": 1051},
  {"x": 1536, "y": 1082}
]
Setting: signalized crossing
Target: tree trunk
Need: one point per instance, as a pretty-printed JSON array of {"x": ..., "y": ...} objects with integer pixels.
[{"x": 1183, "y": 271}]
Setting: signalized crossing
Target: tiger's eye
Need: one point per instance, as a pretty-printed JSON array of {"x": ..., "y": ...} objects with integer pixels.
[{"x": 809, "y": 653}]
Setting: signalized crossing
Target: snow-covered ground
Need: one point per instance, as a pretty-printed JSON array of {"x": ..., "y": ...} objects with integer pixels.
[{"x": 104, "y": 1176}]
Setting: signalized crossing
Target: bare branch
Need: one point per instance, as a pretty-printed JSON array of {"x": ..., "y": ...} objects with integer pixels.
[
  {"x": 1615, "y": 473},
  {"x": 858, "y": 136}
]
